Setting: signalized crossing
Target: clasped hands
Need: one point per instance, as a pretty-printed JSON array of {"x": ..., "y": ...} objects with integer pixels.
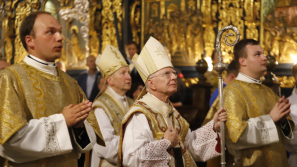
[
  {"x": 280, "y": 111},
  {"x": 75, "y": 115}
]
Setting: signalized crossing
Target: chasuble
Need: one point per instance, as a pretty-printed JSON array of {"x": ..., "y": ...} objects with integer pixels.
[
  {"x": 33, "y": 132},
  {"x": 252, "y": 138},
  {"x": 143, "y": 129},
  {"x": 109, "y": 109}
]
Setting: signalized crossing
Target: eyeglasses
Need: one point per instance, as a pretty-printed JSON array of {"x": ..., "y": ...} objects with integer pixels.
[{"x": 168, "y": 74}]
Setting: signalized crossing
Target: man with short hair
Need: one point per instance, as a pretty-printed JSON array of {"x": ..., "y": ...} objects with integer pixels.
[
  {"x": 88, "y": 80},
  {"x": 153, "y": 132},
  {"x": 42, "y": 109},
  {"x": 257, "y": 125},
  {"x": 3, "y": 64},
  {"x": 232, "y": 73},
  {"x": 131, "y": 49},
  {"x": 111, "y": 105}
]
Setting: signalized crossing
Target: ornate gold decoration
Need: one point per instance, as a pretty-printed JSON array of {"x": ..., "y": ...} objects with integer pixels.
[
  {"x": 8, "y": 8},
  {"x": 190, "y": 81},
  {"x": 94, "y": 43},
  {"x": 8, "y": 35},
  {"x": 75, "y": 49},
  {"x": 35, "y": 4},
  {"x": 155, "y": 8},
  {"x": 172, "y": 7},
  {"x": 286, "y": 82},
  {"x": 135, "y": 20},
  {"x": 23, "y": 9},
  {"x": 117, "y": 7},
  {"x": 280, "y": 37},
  {"x": 109, "y": 31},
  {"x": 231, "y": 13},
  {"x": 209, "y": 12},
  {"x": 64, "y": 2},
  {"x": 183, "y": 5},
  {"x": 191, "y": 5},
  {"x": 252, "y": 18}
]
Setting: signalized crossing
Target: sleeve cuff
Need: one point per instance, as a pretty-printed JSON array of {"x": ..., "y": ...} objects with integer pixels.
[
  {"x": 92, "y": 136},
  {"x": 62, "y": 133},
  {"x": 290, "y": 136},
  {"x": 267, "y": 127}
]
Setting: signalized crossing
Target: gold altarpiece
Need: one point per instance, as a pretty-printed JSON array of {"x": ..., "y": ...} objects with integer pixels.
[{"x": 186, "y": 27}]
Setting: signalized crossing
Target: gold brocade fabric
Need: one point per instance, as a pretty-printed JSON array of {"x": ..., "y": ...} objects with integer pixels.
[
  {"x": 27, "y": 93},
  {"x": 242, "y": 101},
  {"x": 115, "y": 110},
  {"x": 158, "y": 127}
]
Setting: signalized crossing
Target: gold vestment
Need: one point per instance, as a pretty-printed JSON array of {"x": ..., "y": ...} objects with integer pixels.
[
  {"x": 158, "y": 127},
  {"x": 115, "y": 110},
  {"x": 27, "y": 93},
  {"x": 243, "y": 101}
]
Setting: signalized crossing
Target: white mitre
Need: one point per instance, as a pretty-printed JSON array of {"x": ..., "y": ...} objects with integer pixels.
[
  {"x": 152, "y": 58},
  {"x": 110, "y": 61}
]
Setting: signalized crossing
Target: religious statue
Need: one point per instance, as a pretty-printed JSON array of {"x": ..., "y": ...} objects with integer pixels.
[
  {"x": 276, "y": 40},
  {"x": 97, "y": 22},
  {"x": 195, "y": 38},
  {"x": 35, "y": 4},
  {"x": 94, "y": 43},
  {"x": 289, "y": 47},
  {"x": 165, "y": 38},
  {"x": 268, "y": 31},
  {"x": 77, "y": 54}
]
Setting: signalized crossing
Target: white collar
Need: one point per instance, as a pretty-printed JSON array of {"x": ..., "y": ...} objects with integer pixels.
[
  {"x": 44, "y": 66},
  {"x": 167, "y": 104},
  {"x": 245, "y": 78},
  {"x": 115, "y": 93}
]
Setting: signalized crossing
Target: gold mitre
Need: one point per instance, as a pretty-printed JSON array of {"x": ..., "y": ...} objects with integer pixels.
[
  {"x": 152, "y": 58},
  {"x": 110, "y": 61}
]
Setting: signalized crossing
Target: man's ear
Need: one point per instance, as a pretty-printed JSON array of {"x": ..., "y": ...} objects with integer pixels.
[
  {"x": 151, "y": 85},
  {"x": 232, "y": 76},
  {"x": 30, "y": 42},
  {"x": 109, "y": 80},
  {"x": 242, "y": 62}
]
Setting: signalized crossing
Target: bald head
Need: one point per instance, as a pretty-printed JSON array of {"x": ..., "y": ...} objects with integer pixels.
[{"x": 3, "y": 64}]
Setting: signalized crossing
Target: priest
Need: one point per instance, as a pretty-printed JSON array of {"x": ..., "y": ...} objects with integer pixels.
[
  {"x": 257, "y": 126},
  {"x": 153, "y": 132},
  {"x": 111, "y": 106},
  {"x": 42, "y": 109}
]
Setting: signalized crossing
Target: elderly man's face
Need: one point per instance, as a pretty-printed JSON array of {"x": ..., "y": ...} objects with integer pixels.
[
  {"x": 165, "y": 81},
  {"x": 121, "y": 79}
]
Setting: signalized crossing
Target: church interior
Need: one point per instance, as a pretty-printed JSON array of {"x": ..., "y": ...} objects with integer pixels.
[{"x": 188, "y": 29}]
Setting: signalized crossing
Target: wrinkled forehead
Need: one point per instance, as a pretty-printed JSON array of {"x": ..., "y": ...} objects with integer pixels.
[{"x": 166, "y": 69}]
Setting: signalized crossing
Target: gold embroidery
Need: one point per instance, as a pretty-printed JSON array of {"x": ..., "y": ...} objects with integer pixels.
[
  {"x": 161, "y": 52},
  {"x": 158, "y": 127},
  {"x": 114, "y": 52},
  {"x": 19, "y": 84},
  {"x": 70, "y": 91},
  {"x": 40, "y": 104},
  {"x": 243, "y": 101}
]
